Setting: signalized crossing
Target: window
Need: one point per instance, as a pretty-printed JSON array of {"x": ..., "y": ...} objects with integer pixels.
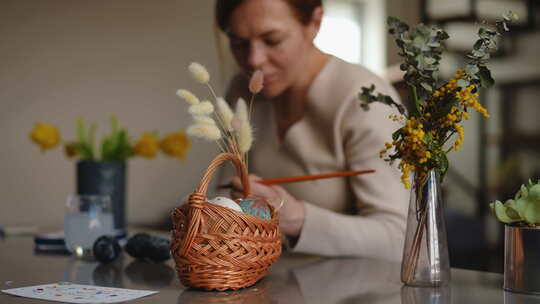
[
  {"x": 354, "y": 30},
  {"x": 340, "y": 33}
]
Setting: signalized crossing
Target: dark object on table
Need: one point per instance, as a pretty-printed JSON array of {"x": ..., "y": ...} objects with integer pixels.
[
  {"x": 159, "y": 249},
  {"x": 106, "y": 249},
  {"x": 145, "y": 246},
  {"x": 136, "y": 245}
]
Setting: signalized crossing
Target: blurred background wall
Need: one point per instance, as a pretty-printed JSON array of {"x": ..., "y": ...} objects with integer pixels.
[{"x": 64, "y": 59}]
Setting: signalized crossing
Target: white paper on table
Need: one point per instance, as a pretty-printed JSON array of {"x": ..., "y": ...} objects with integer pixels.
[{"x": 75, "y": 293}]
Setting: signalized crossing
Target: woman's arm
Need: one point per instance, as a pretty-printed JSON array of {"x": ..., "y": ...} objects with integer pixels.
[{"x": 378, "y": 230}]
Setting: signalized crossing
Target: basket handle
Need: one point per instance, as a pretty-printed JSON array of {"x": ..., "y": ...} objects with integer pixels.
[
  {"x": 216, "y": 163},
  {"x": 197, "y": 198}
]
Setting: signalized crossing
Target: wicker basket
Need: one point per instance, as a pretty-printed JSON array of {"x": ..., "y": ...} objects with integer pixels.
[{"x": 217, "y": 248}]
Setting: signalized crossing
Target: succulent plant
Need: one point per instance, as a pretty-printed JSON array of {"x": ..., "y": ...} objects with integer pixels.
[{"x": 523, "y": 209}]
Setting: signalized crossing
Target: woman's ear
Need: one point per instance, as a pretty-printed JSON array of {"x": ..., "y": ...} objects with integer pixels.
[{"x": 315, "y": 22}]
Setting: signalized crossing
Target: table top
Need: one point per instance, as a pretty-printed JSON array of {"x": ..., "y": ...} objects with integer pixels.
[{"x": 293, "y": 279}]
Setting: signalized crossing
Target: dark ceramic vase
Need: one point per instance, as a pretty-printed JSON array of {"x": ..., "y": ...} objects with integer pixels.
[{"x": 105, "y": 178}]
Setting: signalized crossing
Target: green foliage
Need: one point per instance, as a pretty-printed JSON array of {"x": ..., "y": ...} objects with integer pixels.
[
  {"x": 421, "y": 48},
  {"x": 436, "y": 106},
  {"x": 85, "y": 142},
  {"x": 367, "y": 94},
  {"x": 114, "y": 147},
  {"x": 523, "y": 209}
]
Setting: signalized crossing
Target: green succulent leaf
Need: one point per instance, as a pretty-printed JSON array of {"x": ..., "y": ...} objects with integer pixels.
[
  {"x": 532, "y": 213},
  {"x": 511, "y": 210},
  {"x": 500, "y": 212},
  {"x": 534, "y": 193}
]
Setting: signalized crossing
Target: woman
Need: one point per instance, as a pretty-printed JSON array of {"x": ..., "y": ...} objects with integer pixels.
[{"x": 309, "y": 121}]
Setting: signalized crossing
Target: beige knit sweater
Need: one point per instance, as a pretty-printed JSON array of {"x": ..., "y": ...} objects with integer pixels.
[{"x": 362, "y": 216}]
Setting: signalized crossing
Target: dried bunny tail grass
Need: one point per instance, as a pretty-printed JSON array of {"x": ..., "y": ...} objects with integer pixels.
[
  {"x": 236, "y": 124},
  {"x": 187, "y": 96},
  {"x": 256, "y": 82},
  {"x": 204, "y": 120},
  {"x": 241, "y": 110},
  {"x": 245, "y": 137},
  {"x": 225, "y": 112},
  {"x": 199, "y": 72},
  {"x": 206, "y": 131},
  {"x": 202, "y": 108}
]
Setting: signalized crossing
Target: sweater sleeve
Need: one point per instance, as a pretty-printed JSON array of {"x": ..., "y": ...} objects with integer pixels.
[{"x": 377, "y": 229}]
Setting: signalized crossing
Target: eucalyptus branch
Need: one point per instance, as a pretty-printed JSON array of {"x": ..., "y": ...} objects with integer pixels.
[{"x": 368, "y": 97}]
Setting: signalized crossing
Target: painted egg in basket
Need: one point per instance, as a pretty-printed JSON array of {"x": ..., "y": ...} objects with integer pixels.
[{"x": 255, "y": 206}]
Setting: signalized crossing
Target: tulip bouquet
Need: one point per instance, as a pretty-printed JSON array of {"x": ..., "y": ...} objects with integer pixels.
[
  {"x": 231, "y": 130},
  {"x": 116, "y": 146}
]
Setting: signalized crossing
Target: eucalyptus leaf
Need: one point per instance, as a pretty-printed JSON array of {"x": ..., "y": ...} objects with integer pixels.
[
  {"x": 462, "y": 83},
  {"x": 426, "y": 86},
  {"x": 486, "y": 81}
]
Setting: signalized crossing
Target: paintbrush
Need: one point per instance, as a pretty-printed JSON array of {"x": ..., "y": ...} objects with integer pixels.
[{"x": 294, "y": 179}]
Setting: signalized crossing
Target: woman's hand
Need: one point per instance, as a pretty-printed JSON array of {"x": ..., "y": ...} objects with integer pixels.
[{"x": 291, "y": 215}]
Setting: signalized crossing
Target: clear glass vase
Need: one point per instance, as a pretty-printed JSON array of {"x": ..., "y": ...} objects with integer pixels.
[{"x": 425, "y": 254}]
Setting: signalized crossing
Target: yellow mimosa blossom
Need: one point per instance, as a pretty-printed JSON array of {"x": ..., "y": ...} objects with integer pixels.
[
  {"x": 147, "y": 146},
  {"x": 45, "y": 135},
  {"x": 175, "y": 144},
  {"x": 461, "y": 136}
]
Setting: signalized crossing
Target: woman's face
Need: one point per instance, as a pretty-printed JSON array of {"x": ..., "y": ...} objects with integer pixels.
[{"x": 266, "y": 35}]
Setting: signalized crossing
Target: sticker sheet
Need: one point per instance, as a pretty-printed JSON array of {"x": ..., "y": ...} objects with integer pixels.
[{"x": 75, "y": 293}]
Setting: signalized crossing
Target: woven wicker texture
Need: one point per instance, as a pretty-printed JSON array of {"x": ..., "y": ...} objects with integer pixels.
[{"x": 217, "y": 248}]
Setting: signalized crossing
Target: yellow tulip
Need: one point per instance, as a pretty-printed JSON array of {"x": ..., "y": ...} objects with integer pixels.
[
  {"x": 72, "y": 149},
  {"x": 45, "y": 135},
  {"x": 175, "y": 144},
  {"x": 147, "y": 146}
]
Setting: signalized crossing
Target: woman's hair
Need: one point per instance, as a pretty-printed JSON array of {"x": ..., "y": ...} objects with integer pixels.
[{"x": 303, "y": 9}]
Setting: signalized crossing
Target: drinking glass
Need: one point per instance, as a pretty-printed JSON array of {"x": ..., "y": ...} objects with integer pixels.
[{"x": 87, "y": 218}]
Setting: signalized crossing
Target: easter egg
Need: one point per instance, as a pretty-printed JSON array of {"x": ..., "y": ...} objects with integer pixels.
[
  {"x": 225, "y": 202},
  {"x": 256, "y": 207}
]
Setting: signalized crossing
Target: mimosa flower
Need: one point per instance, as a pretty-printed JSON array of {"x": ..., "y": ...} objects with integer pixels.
[
  {"x": 202, "y": 108},
  {"x": 256, "y": 82},
  {"x": 147, "y": 146},
  {"x": 205, "y": 131},
  {"x": 225, "y": 112},
  {"x": 199, "y": 72},
  {"x": 187, "y": 96},
  {"x": 45, "y": 135},
  {"x": 175, "y": 144}
]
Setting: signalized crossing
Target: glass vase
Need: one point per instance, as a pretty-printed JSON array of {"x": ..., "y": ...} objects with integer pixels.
[
  {"x": 105, "y": 178},
  {"x": 425, "y": 254}
]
